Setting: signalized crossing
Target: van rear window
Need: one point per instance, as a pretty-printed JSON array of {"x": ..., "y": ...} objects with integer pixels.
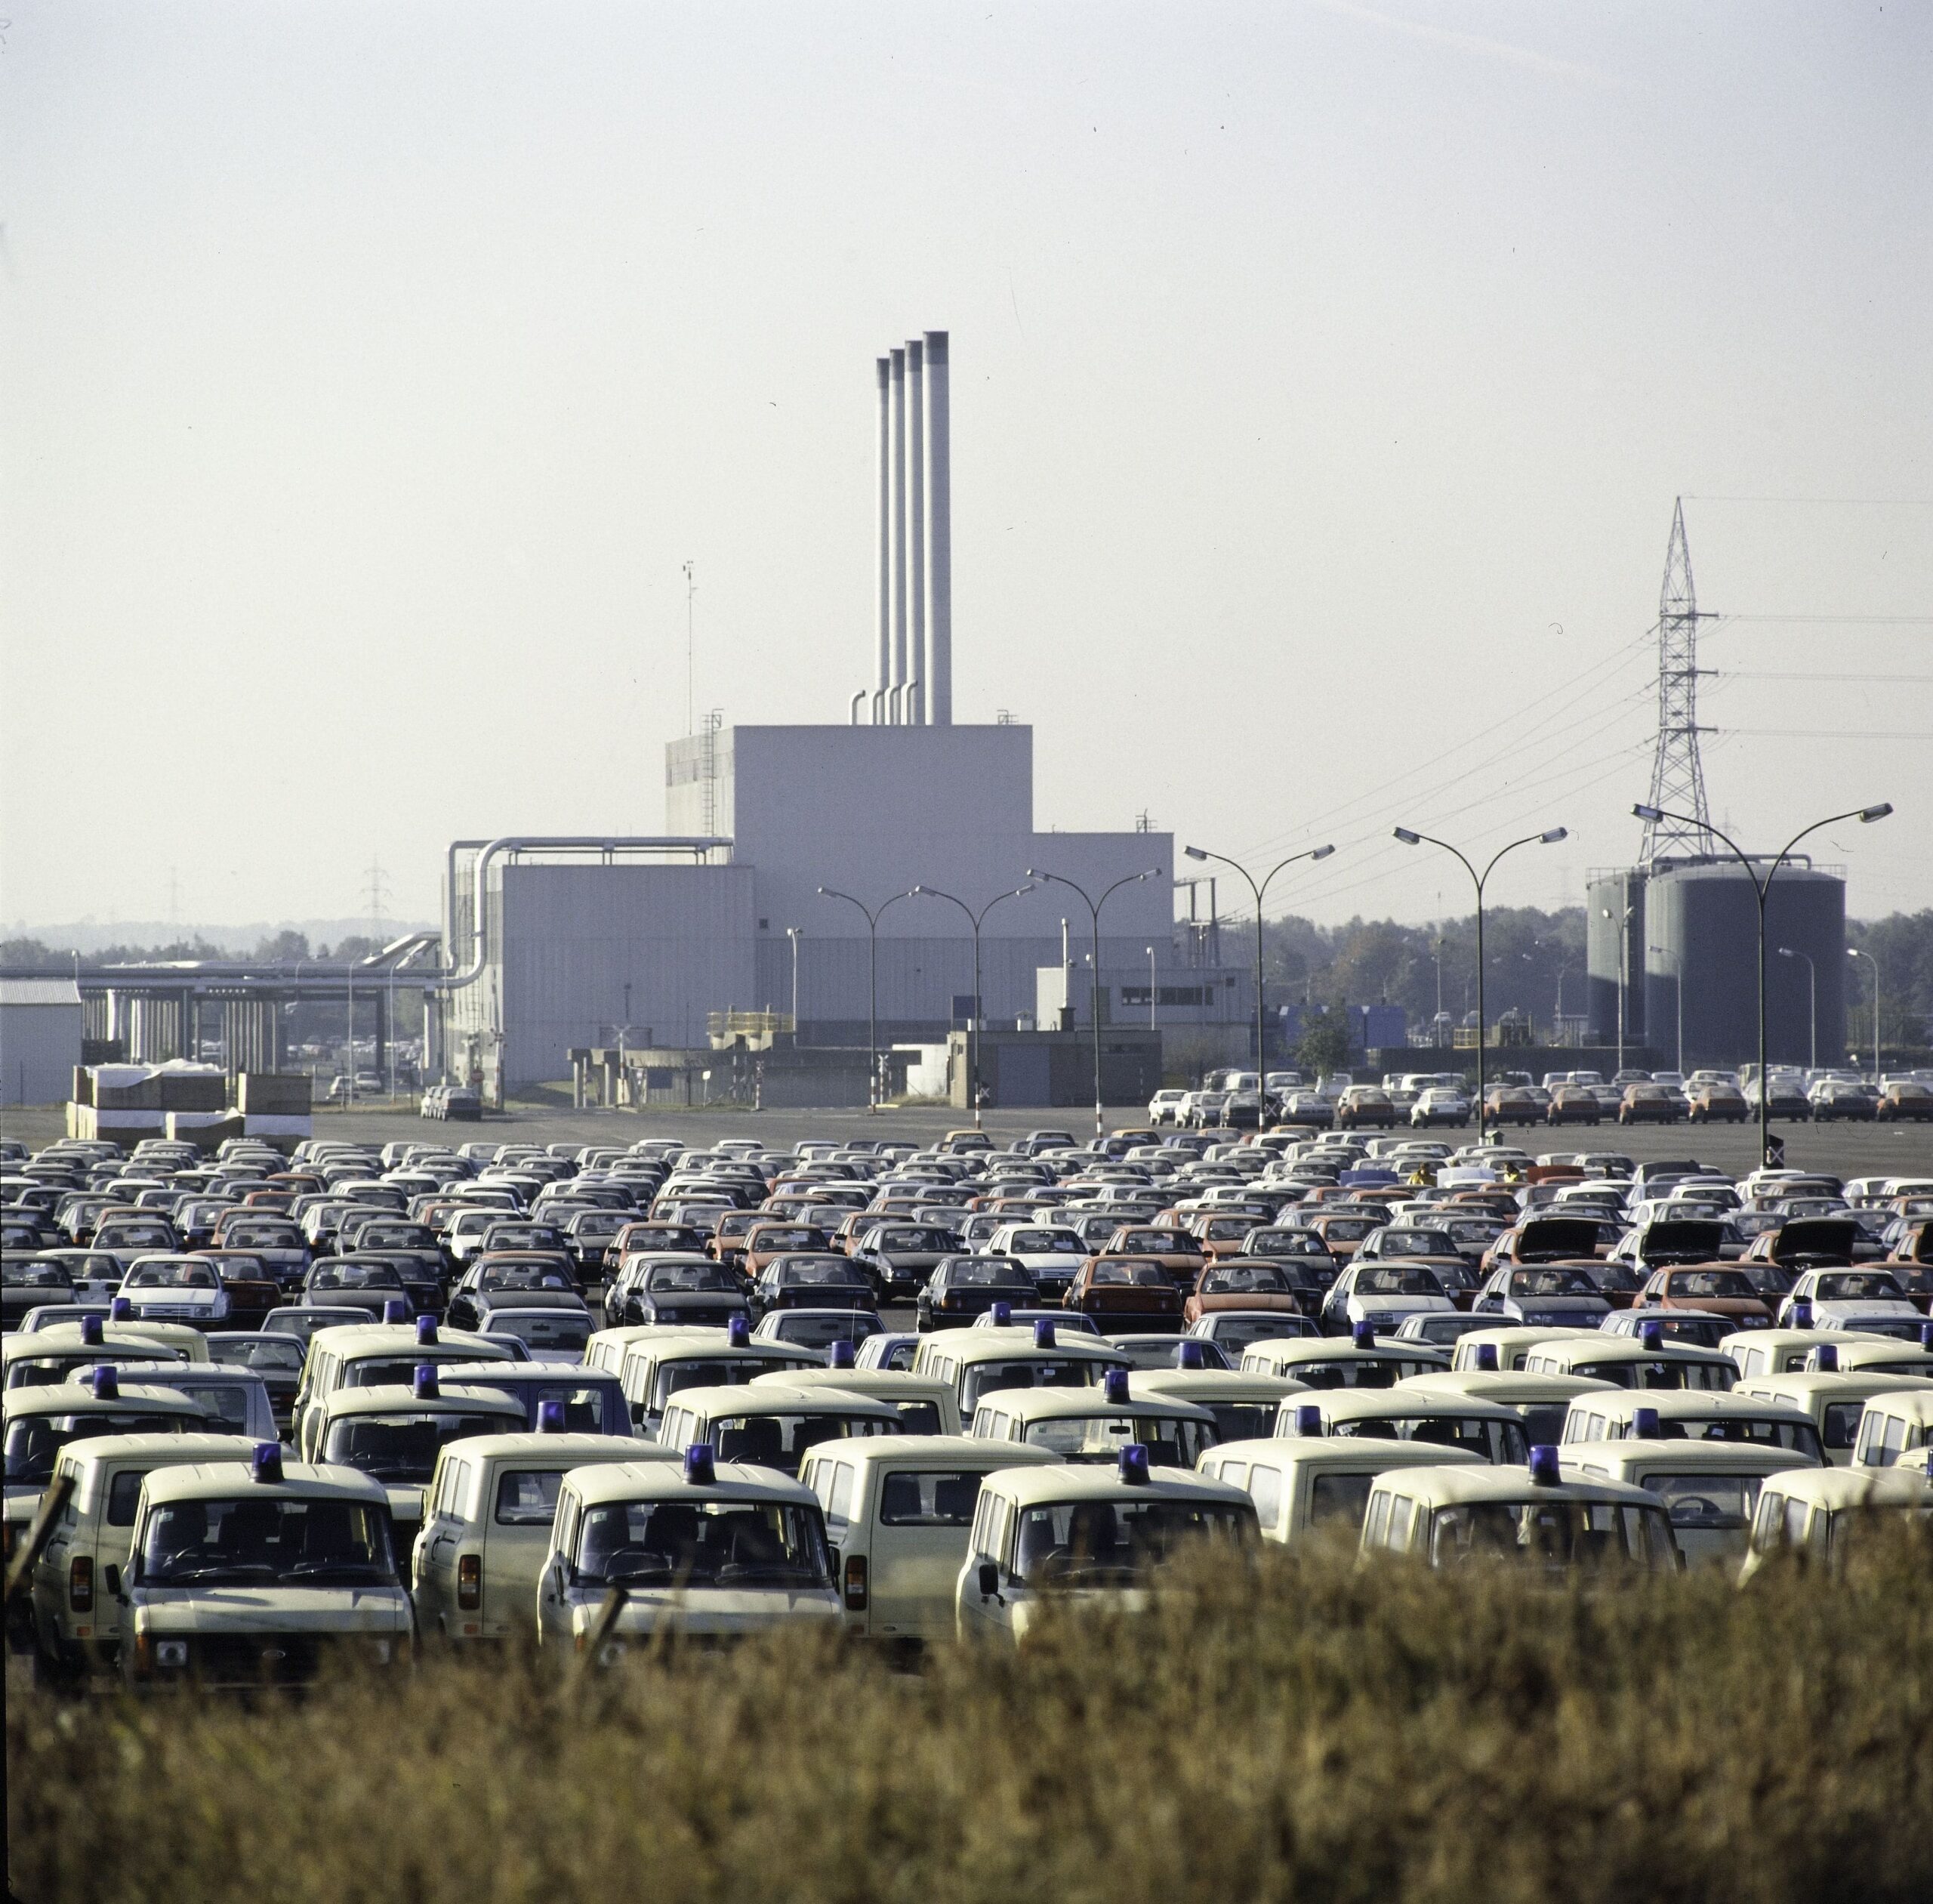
[
  {"x": 527, "y": 1497},
  {"x": 929, "y": 1500}
]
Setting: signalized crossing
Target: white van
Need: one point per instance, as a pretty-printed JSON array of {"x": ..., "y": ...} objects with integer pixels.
[
  {"x": 1312, "y": 1485},
  {"x": 898, "y": 1511},
  {"x": 1709, "y": 1489},
  {"x": 1894, "y": 1425}
]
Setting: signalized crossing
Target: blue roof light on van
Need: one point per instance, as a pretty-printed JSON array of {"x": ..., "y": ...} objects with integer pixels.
[
  {"x": 1800, "y": 1316},
  {"x": 701, "y": 1464},
  {"x": 119, "y": 1309},
  {"x": 427, "y": 1389},
  {"x": 1826, "y": 1359},
  {"x": 1547, "y": 1470},
  {"x": 92, "y": 1334},
  {"x": 1645, "y": 1425},
  {"x": 550, "y": 1418},
  {"x": 267, "y": 1463},
  {"x": 1364, "y": 1334},
  {"x": 842, "y": 1355},
  {"x": 106, "y": 1383},
  {"x": 425, "y": 1330},
  {"x": 1114, "y": 1386},
  {"x": 1926, "y": 1335},
  {"x": 1002, "y": 1314},
  {"x": 1044, "y": 1333},
  {"x": 737, "y": 1332},
  {"x": 1487, "y": 1357},
  {"x": 1308, "y": 1418},
  {"x": 1188, "y": 1355},
  {"x": 395, "y": 1310},
  {"x": 1134, "y": 1468},
  {"x": 1652, "y": 1335}
]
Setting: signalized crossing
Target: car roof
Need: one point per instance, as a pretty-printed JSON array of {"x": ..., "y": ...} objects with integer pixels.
[
  {"x": 938, "y": 1451},
  {"x": 569, "y": 1449},
  {"x": 1450, "y": 1485},
  {"x": 1016, "y": 1344},
  {"x": 545, "y": 1372},
  {"x": 1073, "y": 1404},
  {"x": 396, "y": 1398},
  {"x": 355, "y": 1339},
  {"x": 879, "y": 1384},
  {"x": 1351, "y": 1453},
  {"x": 1626, "y": 1348},
  {"x": 1368, "y": 1404},
  {"x": 1208, "y": 1385},
  {"x": 658, "y": 1480},
  {"x": 1679, "y": 1452},
  {"x": 74, "y": 1398},
  {"x": 301, "y": 1480},
  {"x": 1856, "y": 1487},
  {"x": 1849, "y": 1384},
  {"x": 754, "y": 1398},
  {"x": 110, "y": 1451},
  {"x": 1684, "y": 1404},
  {"x": 1512, "y": 1387},
  {"x": 1910, "y": 1404},
  {"x": 1064, "y": 1481}
]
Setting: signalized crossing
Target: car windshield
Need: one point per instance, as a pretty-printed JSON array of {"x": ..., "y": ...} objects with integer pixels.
[
  {"x": 819, "y": 1275},
  {"x": 1727, "y": 1285},
  {"x": 1416, "y": 1242},
  {"x": 1114, "y": 1543},
  {"x": 267, "y": 1542},
  {"x": 34, "y": 1440},
  {"x": 782, "y": 1441},
  {"x": 1718, "y": 1374},
  {"x": 544, "y": 1329},
  {"x": 1403, "y": 1279},
  {"x": 48, "y": 1277},
  {"x": 267, "y": 1354},
  {"x": 691, "y": 1279},
  {"x": 355, "y": 1276},
  {"x": 987, "y": 1275},
  {"x": 1554, "y": 1534},
  {"x": 171, "y": 1276},
  {"x": 1037, "y": 1242},
  {"x": 1171, "y": 1442},
  {"x": 1246, "y": 1279},
  {"x": 1553, "y": 1282},
  {"x": 703, "y": 1543},
  {"x": 514, "y": 1277},
  {"x": 1495, "y": 1439},
  {"x": 1848, "y": 1287},
  {"x": 402, "y": 1447},
  {"x": 984, "y": 1378}
]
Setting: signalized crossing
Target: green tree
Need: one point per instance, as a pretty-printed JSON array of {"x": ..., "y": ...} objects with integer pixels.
[{"x": 1324, "y": 1044}]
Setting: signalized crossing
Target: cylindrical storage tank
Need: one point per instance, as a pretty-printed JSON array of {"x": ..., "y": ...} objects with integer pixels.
[
  {"x": 1614, "y": 952},
  {"x": 1705, "y": 925}
]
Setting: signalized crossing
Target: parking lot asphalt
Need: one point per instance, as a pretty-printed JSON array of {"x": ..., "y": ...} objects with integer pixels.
[{"x": 1843, "y": 1149}]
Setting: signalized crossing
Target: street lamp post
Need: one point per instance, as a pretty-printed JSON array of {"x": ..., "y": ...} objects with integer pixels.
[
  {"x": 1152, "y": 1025},
  {"x": 792, "y": 933},
  {"x": 1410, "y": 837},
  {"x": 1760, "y": 888},
  {"x": 1624, "y": 970},
  {"x": 872, "y": 915},
  {"x": 1314, "y": 853},
  {"x": 1853, "y": 951},
  {"x": 973, "y": 1027},
  {"x": 1812, "y": 988},
  {"x": 1094, "y": 996}
]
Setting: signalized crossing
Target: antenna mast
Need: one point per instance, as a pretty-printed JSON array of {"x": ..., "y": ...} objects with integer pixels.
[
  {"x": 1677, "y": 775},
  {"x": 691, "y": 702}
]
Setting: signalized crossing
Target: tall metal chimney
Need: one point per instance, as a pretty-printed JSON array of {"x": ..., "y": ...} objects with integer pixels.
[
  {"x": 916, "y": 538},
  {"x": 895, "y": 709},
  {"x": 936, "y": 563},
  {"x": 883, "y": 620}
]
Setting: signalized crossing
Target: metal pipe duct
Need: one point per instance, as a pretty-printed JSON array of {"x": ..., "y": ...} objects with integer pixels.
[
  {"x": 916, "y": 536},
  {"x": 448, "y": 980},
  {"x": 883, "y": 586},
  {"x": 936, "y": 565},
  {"x": 898, "y": 448}
]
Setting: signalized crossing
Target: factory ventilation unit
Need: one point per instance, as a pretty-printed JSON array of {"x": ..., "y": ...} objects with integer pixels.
[{"x": 913, "y": 585}]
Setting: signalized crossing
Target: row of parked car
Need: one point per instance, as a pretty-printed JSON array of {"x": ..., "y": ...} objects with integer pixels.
[{"x": 623, "y": 1386}]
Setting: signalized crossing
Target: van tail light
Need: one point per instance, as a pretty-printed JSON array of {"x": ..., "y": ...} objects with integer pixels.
[
  {"x": 80, "y": 1584},
  {"x": 470, "y": 1583},
  {"x": 855, "y": 1583}
]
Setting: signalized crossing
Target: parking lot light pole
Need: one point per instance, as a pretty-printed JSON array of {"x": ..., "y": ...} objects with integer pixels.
[
  {"x": 1094, "y": 995},
  {"x": 872, "y": 915},
  {"x": 1812, "y": 986},
  {"x": 1314, "y": 853},
  {"x": 1410, "y": 836},
  {"x": 1866, "y": 815},
  {"x": 973, "y": 1029},
  {"x": 793, "y": 932},
  {"x": 1853, "y": 951},
  {"x": 1151, "y": 1024}
]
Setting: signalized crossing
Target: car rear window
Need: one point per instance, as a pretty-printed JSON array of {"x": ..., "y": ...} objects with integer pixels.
[
  {"x": 929, "y": 1500},
  {"x": 527, "y": 1497}
]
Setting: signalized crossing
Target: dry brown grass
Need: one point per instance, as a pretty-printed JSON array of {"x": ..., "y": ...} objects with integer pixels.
[{"x": 1295, "y": 1729}]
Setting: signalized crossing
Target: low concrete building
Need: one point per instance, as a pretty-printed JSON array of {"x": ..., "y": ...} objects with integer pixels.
[{"x": 40, "y": 1039}]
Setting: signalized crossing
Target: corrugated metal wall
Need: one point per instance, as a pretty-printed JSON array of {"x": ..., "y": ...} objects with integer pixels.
[{"x": 40, "y": 1044}]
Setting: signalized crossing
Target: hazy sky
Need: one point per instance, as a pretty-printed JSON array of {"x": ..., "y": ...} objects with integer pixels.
[{"x": 1323, "y": 376}]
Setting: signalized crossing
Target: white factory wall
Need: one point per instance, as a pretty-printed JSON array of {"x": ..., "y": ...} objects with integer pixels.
[
  {"x": 40, "y": 1039},
  {"x": 573, "y": 936}
]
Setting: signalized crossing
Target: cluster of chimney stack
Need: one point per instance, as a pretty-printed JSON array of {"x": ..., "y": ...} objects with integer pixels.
[{"x": 914, "y": 584}]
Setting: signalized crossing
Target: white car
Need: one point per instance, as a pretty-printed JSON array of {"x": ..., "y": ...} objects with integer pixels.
[
  {"x": 1166, "y": 1106},
  {"x": 1051, "y": 1253},
  {"x": 175, "y": 1289},
  {"x": 1439, "y": 1105},
  {"x": 1870, "y": 1300}
]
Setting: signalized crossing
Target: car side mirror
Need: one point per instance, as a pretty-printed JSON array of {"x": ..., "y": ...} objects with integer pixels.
[
  {"x": 988, "y": 1579},
  {"x": 112, "y": 1577}
]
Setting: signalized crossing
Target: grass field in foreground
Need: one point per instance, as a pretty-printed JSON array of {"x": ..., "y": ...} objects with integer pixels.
[{"x": 1295, "y": 1728}]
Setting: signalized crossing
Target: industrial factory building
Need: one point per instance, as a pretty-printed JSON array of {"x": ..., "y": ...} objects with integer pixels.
[{"x": 782, "y": 883}]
